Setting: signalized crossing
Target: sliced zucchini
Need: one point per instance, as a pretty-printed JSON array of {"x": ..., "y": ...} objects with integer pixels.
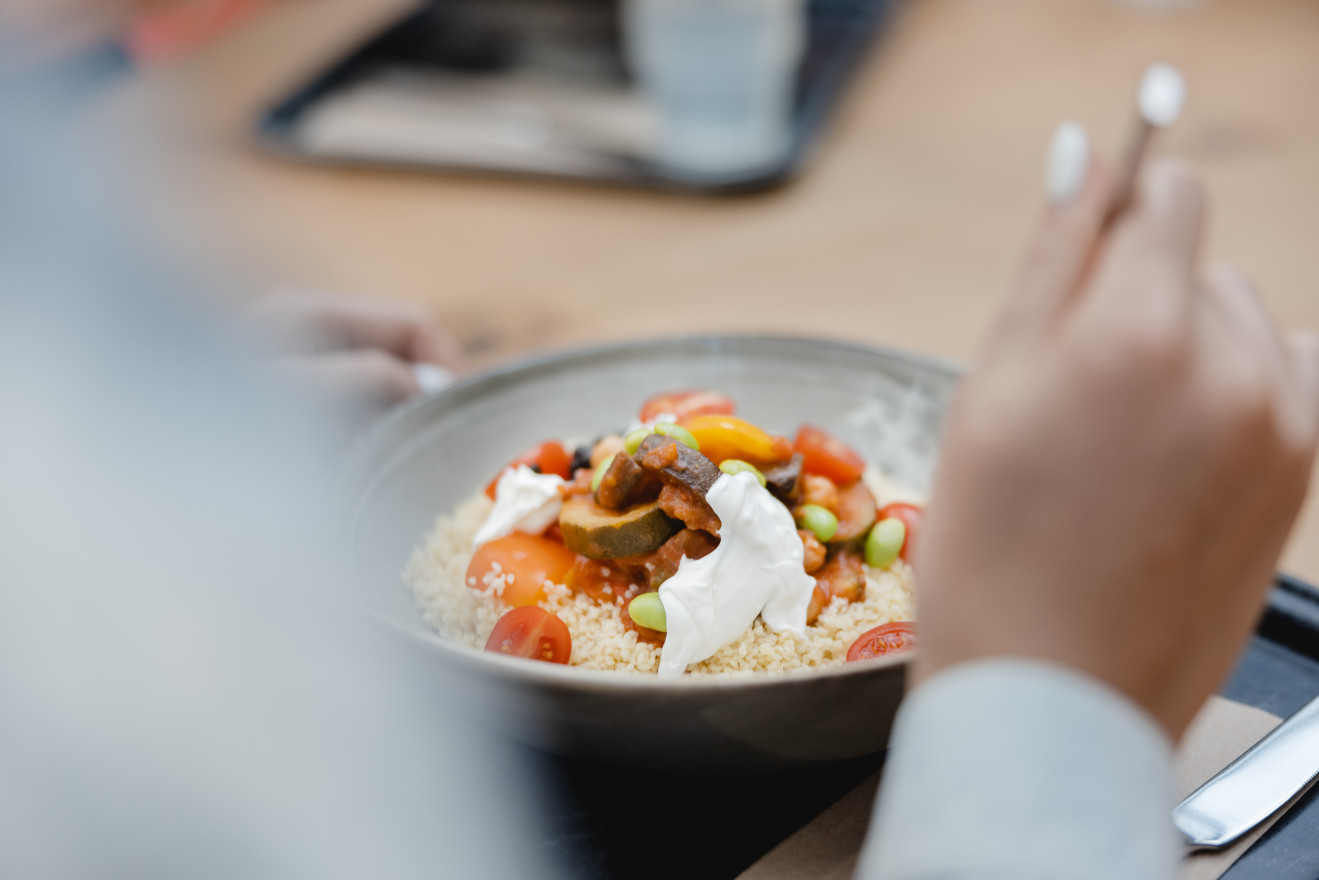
[{"x": 600, "y": 533}]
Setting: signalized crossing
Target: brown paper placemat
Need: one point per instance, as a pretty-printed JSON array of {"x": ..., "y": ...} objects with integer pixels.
[{"x": 827, "y": 847}]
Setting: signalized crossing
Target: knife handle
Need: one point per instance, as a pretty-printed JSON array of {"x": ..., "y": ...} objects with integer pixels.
[{"x": 1255, "y": 785}]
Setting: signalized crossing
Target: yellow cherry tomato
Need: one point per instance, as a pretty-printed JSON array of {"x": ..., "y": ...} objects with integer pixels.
[{"x": 723, "y": 437}]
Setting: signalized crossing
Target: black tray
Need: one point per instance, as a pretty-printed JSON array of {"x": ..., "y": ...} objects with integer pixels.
[
  {"x": 441, "y": 36},
  {"x": 728, "y": 822}
]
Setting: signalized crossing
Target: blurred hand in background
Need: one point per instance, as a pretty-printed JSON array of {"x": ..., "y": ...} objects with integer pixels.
[{"x": 373, "y": 353}]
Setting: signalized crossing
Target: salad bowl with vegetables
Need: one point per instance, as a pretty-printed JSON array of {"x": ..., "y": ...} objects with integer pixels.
[{"x": 596, "y": 563}]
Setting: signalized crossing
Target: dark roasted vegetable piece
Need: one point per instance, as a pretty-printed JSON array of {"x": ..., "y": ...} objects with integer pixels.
[
  {"x": 678, "y": 464},
  {"x": 784, "y": 480},
  {"x": 687, "y": 476},
  {"x": 620, "y": 482},
  {"x": 581, "y": 457},
  {"x": 600, "y": 533}
]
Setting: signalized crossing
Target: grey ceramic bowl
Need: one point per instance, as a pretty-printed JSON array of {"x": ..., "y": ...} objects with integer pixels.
[{"x": 426, "y": 458}]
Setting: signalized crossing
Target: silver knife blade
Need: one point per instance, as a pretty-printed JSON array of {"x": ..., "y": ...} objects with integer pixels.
[{"x": 1254, "y": 786}]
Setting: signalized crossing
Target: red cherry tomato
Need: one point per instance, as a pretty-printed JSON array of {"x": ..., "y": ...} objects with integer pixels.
[
  {"x": 886, "y": 639},
  {"x": 685, "y": 404},
  {"x": 912, "y": 517},
  {"x": 827, "y": 456},
  {"x": 526, "y": 563},
  {"x": 532, "y": 632},
  {"x": 549, "y": 457}
]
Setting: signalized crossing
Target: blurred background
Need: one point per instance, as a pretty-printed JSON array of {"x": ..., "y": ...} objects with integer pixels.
[
  {"x": 537, "y": 174},
  {"x": 900, "y": 222}
]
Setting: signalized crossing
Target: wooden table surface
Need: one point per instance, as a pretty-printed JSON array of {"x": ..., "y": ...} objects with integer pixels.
[{"x": 905, "y": 228}]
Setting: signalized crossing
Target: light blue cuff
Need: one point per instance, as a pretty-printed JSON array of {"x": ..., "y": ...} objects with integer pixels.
[{"x": 1018, "y": 768}]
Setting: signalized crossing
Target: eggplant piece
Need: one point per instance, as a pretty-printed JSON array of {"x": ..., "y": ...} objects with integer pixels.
[
  {"x": 687, "y": 476},
  {"x": 620, "y": 483},
  {"x": 678, "y": 464},
  {"x": 600, "y": 533},
  {"x": 784, "y": 480}
]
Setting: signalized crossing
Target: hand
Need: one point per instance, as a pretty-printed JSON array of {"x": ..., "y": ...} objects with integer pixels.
[
  {"x": 1120, "y": 471},
  {"x": 367, "y": 352}
]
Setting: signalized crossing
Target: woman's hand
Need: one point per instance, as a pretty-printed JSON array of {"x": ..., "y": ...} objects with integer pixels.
[
  {"x": 371, "y": 353},
  {"x": 1120, "y": 471}
]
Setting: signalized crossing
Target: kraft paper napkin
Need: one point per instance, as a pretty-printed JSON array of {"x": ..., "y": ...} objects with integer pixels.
[{"x": 827, "y": 847}]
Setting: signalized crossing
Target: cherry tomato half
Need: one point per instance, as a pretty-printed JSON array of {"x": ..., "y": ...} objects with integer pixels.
[
  {"x": 912, "y": 517},
  {"x": 685, "y": 404},
  {"x": 827, "y": 456},
  {"x": 549, "y": 457},
  {"x": 531, "y": 632},
  {"x": 525, "y": 561},
  {"x": 887, "y": 639},
  {"x": 722, "y": 437}
]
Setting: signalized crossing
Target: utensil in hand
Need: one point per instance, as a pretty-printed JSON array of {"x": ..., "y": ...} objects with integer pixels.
[
  {"x": 1159, "y": 102},
  {"x": 1254, "y": 786}
]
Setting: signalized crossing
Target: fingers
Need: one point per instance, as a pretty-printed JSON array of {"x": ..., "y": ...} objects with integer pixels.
[
  {"x": 1282, "y": 373},
  {"x": 403, "y": 330},
  {"x": 1145, "y": 275},
  {"x": 1079, "y": 188}
]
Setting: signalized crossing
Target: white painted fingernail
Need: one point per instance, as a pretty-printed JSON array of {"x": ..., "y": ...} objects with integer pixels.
[
  {"x": 1069, "y": 161},
  {"x": 432, "y": 378}
]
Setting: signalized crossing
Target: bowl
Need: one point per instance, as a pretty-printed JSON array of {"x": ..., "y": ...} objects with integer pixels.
[{"x": 425, "y": 458}]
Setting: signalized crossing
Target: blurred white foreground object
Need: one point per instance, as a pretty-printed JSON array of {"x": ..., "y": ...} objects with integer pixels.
[
  {"x": 721, "y": 76},
  {"x": 432, "y": 378},
  {"x": 1159, "y": 102}
]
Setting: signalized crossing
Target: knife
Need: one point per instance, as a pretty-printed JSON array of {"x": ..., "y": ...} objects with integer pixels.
[{"x": 1256, "y": 785}]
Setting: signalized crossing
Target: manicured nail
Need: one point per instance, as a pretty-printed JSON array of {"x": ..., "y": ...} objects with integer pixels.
[
  {"x": 1069, "y": 160},
  {"x": 432, "y": 378}
]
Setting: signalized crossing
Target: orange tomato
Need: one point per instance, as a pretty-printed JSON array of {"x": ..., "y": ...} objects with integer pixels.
[
  {"x": 533, "y": 633},
  {"x": 722, "y": 437},
  {"x": 685, "y": 404},
  {"x": 827, "y": 456},
  {"x": 526, "y": 562}
]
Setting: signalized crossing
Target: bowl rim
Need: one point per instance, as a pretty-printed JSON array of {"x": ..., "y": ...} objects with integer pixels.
[{"x": 359, "y": 479}]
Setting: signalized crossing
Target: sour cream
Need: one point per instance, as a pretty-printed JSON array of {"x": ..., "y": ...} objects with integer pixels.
[
  {"x": 755, "y": 570},
  {"x": 525, "y": 501}
]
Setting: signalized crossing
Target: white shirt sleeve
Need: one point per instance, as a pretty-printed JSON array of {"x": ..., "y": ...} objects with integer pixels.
[{"x": 1014, "y": 768}]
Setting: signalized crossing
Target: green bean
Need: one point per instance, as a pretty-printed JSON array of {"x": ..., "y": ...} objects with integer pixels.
[
  {"x": 885, "y": 541},
  {"x": 738, "y": 466},
  {"x": 817, "y": 519},
  {"x": 632, "y": 442},
  {"x": 647, "y": 610},
  {"x": 679, "y": 433},
  {"x": 600, "y": 472}
]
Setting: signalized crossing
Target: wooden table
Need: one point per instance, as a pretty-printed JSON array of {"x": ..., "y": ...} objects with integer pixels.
[{"x": 904, "y": 230}]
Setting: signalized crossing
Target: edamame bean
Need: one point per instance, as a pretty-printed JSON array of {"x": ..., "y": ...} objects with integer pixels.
[
  {"x": 819, "y": 520},
  {"x": 738, "y": 466},
  {"x": 600, "y": 472},
  {"x": 632, "y": 442},
  {"x": 679, "y": 433},
  {"x": 885, "y": 541},
  {"x": 647, "y": 610}
]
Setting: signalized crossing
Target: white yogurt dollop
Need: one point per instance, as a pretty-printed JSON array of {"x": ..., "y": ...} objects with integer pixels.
[
  {"x": 755, "y": 570},
  {"x": 525, "y": 501}
]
